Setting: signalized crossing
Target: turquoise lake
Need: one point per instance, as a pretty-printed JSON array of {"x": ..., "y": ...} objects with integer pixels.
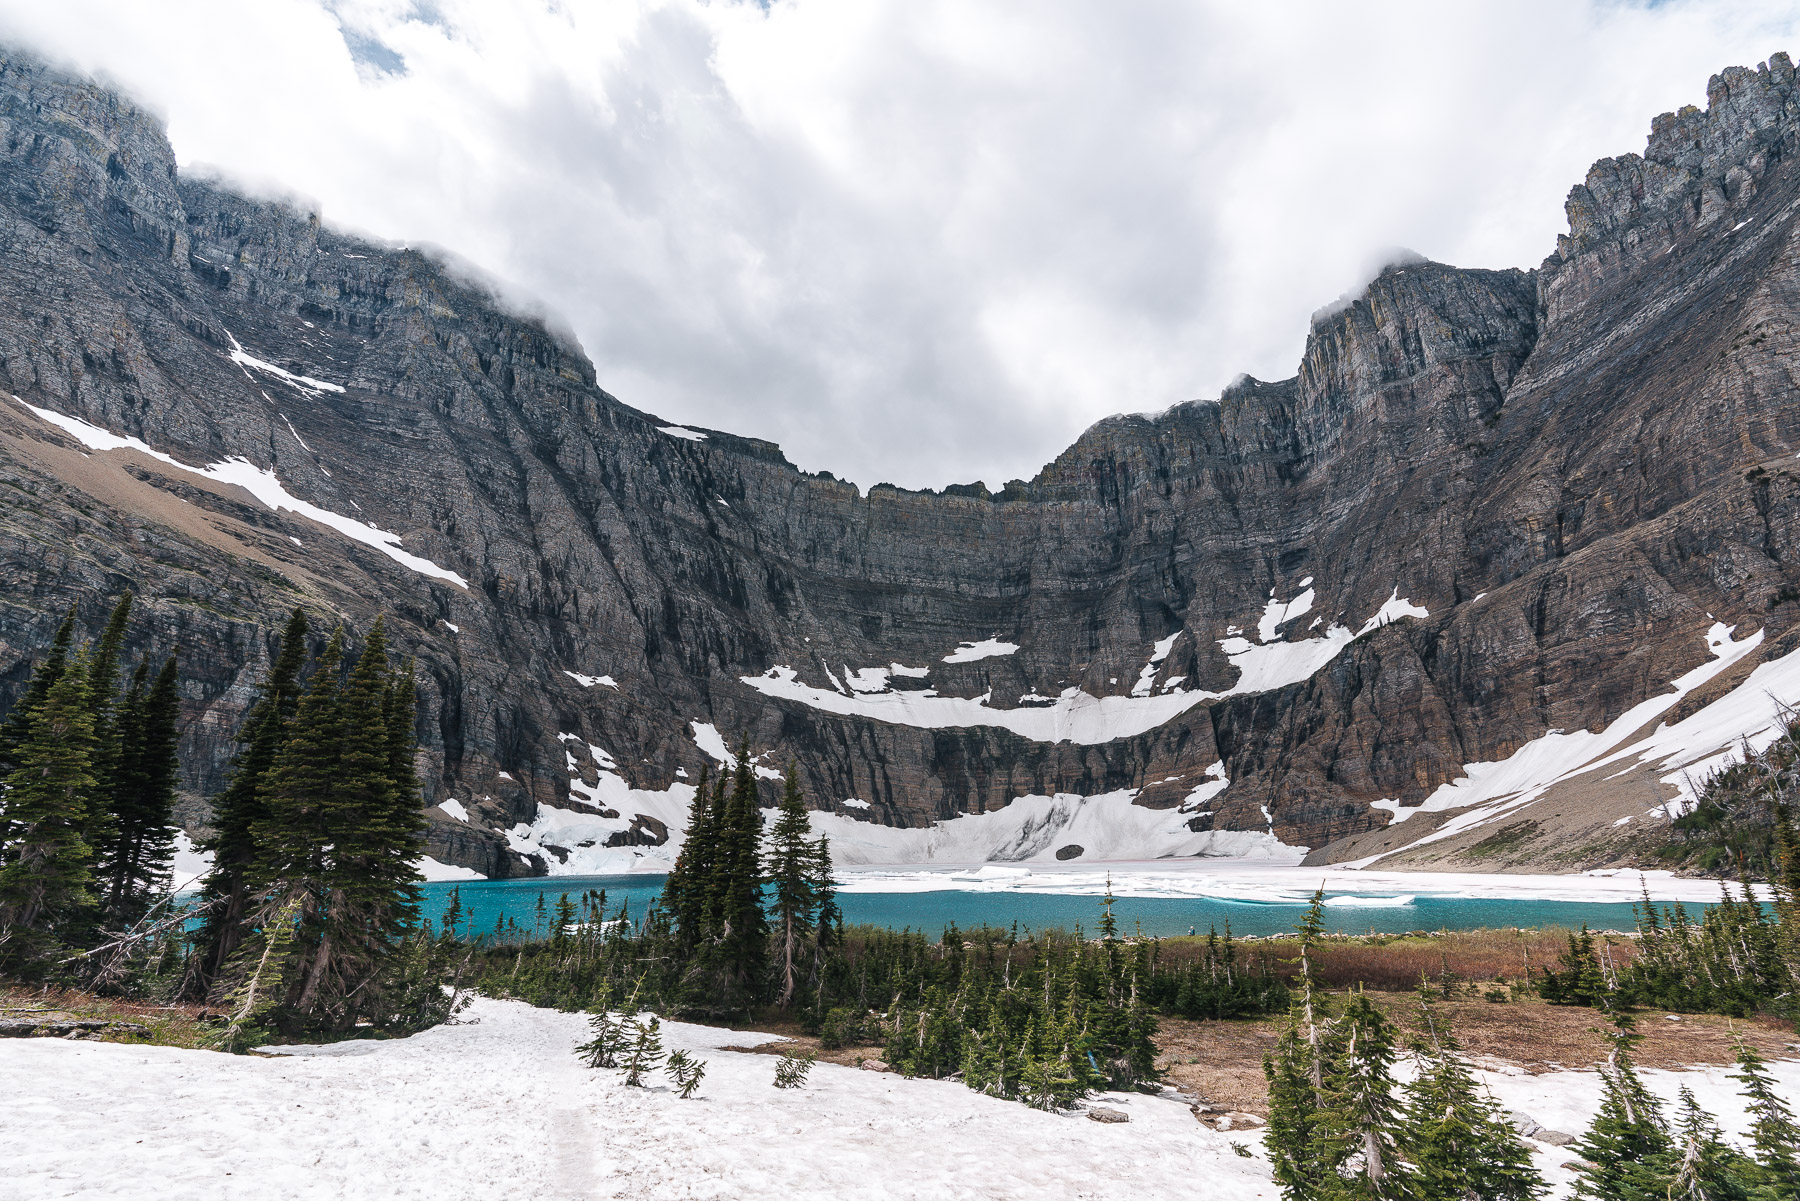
[{"x": 485, "y": 900}]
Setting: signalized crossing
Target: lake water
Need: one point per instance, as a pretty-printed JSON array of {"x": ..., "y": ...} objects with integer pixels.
[{"x": 485, "y": 900}]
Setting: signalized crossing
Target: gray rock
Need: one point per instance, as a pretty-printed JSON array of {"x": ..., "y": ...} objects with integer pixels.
[{"x": 1100, "y": 1113}]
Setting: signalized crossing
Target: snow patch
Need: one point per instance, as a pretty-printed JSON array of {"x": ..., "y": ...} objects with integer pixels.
[
  {"x": 591, "y": 681},
  {"x": 712, "y": 743},
  {"x": 987, "y": 648},
  {"x": 455, "y": 809},
  {"x": 190, "y": 863},
  {"x": 438, "y": 873},
  {"x": 572, "y": 842},
  {"x": 686, "y": 435},
  {"x": 304, "y": 383}
]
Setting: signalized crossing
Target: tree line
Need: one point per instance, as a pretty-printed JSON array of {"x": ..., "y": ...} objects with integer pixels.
[
  {"x": 88, "y": 774},
  {"x": 306, "y": 922}
]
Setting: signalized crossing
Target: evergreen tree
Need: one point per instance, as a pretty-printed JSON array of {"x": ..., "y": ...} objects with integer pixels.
[
  {"x": 242, "y": 806},
  {"x": 1701, "y": 1166},
  {"x": 792, "y": 867},
  {"x": 743, "y": 928},
  {"x": 17, "y": 726},
  {"x": 684, "y": 892},
  {"x": 645, "y": 1051},
  {"x": 46, "y": 897},
  {"x": 1359, "y": 1131},
  {"x": 1296, "y": 1072},
  {"x": 290, "y": 838},
  {"x": 103, "y": 704},
  {"x": 686, "y": 1072},
  {"x": 1773, "y": 1132},
  {"x": 134, "y": 866},
  {"x": 1627, "y": 1135},
  {"x": 1458, "y": 1140}
]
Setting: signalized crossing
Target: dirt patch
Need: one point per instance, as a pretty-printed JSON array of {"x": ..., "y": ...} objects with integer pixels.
[{"x": 1221, "y": 1062}]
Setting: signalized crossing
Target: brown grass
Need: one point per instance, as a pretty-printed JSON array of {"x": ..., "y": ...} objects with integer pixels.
[
  {"x": 166, "y": 1025},
  {"x": 1395, "y": 963}
]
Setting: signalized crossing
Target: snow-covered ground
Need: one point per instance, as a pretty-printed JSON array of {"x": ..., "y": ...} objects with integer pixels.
[{"x": 498, "y": 1107}]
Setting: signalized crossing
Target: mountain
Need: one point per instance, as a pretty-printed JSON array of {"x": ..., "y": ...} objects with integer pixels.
[{"x": 1501, "y": 525}]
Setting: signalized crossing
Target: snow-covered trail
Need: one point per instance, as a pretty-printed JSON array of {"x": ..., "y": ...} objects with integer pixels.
[{"x": 498, "y": 1107}]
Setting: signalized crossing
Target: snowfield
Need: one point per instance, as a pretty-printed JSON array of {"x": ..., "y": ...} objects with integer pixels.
[{"x": 498, "y": 1107}]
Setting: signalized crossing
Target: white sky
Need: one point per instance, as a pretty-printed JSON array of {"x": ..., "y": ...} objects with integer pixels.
[{"x": 924, "y": 241}]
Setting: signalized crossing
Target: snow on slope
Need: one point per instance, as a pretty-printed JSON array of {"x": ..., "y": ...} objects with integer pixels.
[
  {"x": 1688, "y": 750},
  {"x": 261, "y": 484},
  {"x": 1077, "y": 716},
  {"x": 498, "y": 1106},
  {"x": 610, "y": 807},
  {"x": 305, "y": 383},
  {"x": 987, "y": 648},
  {"x": 1030, "y": 829}
]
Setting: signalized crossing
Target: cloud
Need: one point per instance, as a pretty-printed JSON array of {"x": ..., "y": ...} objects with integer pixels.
[{"x": 924, "y": 241}]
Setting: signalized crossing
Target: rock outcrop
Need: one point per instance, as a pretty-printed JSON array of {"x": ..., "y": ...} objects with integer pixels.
[{"x": 1490, "y": 504}]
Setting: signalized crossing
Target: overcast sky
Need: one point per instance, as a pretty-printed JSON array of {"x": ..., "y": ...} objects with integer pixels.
[{"x": 910, "y": 240}]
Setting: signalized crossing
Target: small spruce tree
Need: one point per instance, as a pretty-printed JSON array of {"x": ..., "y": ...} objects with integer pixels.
[{"x": 1628, "y": 1134}]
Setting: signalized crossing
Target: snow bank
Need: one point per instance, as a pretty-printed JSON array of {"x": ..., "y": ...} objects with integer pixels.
[
  {"x": 1031, "y": 829},
  {"x": 1077, "y": 716},
  {"x": 498, "y": 1106},
  {"x": 261, "y": 484}
]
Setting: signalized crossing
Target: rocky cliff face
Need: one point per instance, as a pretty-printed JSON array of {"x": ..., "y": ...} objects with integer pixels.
[{"x": 1490, "y": 505}]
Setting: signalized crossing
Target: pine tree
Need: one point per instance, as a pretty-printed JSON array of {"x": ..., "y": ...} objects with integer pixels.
[
  {"x": 46, "y": 897},
  {"x": 1296, "y": 1072},
  {"x": 791, "y": 866},
  {"x": 290, "y": 838},
  {"x": 1701, "y": 1166},
  {"x": 684, "y": 892},
  {"x": 134, "y": 865},
  {"x": 743, "y": 928},
  {"x": 644, "y": 1052},
  {"x": 17, "y": 726},
  {"x": 242, "y": 806},
  {"x": 1627, "y": 1134},
  {"x": 1773, "y": 1132},
  {"x": 1359, "y": 1130},
  {"x": 1459, "y": 1141},
  {"x": 103, "y": 702},
  {"x": 686, "y": 1072}
]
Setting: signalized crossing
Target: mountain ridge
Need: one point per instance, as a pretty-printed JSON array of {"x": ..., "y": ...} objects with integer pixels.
[{"x": 1527, "y": 437}]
